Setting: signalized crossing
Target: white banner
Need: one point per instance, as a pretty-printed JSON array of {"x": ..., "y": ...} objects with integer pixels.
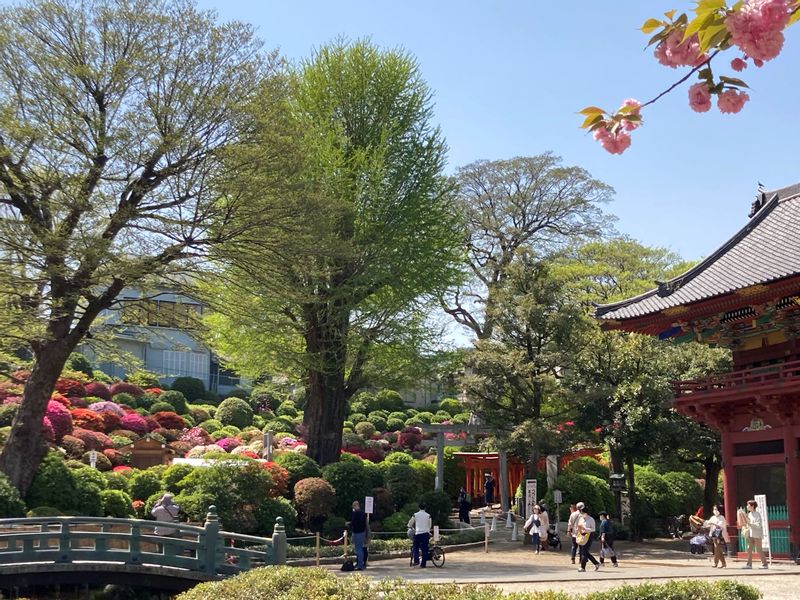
[
  {"x": 530, "y": 496},
  {"x": 761, "y": 501}
]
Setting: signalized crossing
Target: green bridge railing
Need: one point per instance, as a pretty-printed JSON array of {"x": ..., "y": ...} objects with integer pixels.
[{"x": 206, "y": 549}]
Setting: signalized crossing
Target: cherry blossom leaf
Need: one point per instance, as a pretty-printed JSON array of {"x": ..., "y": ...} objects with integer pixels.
[
  {"x": 591, "y": 120},
  {"x": 591, "y": 110},
  {"x": 651, "y": 25},
  {"x": 733, "y": 81}
]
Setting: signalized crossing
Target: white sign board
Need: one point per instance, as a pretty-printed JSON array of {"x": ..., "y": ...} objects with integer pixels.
[
  {"x": 530, "y": 496},
  {"x": 93, "y": 458},
  {"x": 557, "y": 498},
  {"x": 761, "y": 501},
  {"x": 369, "y": 502}
]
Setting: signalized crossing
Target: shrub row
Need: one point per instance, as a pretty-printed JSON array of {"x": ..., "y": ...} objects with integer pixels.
[{"x": 316, "y": 584}]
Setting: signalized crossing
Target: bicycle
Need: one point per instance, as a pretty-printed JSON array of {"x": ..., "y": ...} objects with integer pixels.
[{"x": 435, "y": 556}]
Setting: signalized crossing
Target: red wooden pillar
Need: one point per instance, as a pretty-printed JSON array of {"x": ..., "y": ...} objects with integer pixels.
[{"x": 792, "y": 486}]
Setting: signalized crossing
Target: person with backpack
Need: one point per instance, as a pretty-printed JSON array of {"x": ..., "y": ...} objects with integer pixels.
[
  {"x": 165, "y": 510},
  {"x": 572, "y": 527},
  {"x": 606, "y": 532}
]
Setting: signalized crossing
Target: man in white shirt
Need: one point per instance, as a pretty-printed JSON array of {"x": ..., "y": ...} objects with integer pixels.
[
  {"x": 421, "y": 523},
  {"x": 572, "y": 527}
]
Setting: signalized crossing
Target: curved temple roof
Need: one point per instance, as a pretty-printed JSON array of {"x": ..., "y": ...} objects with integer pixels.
[{"x": 766, "y": 249}]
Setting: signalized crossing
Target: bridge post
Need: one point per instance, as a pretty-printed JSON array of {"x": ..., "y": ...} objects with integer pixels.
[
  {"x": 279, "y": 543},
  {"x": 211, "y": 535},
  {"x": 64, "y": 548}
]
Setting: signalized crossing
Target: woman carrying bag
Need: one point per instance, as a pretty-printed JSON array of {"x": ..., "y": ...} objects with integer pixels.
[{"x": 720, "y": 538}]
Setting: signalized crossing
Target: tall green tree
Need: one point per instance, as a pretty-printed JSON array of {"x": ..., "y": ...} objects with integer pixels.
[
  {"x": 113, "y": 116},
  {"x": 524, "y": 205},
  {"x": 382, "y": 226}
]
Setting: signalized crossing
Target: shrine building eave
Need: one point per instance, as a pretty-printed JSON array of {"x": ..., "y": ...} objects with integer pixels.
[{"x": 761, "y": 261}]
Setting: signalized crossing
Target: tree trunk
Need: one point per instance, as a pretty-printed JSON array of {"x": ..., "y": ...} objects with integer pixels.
[
  {"x": 26, "y": 446},
  {"x": 710, "y": 497},
  {"x": 636, "y": 530},
  {"x": 326, "y": 343},
  {"x": 617, "y": 466}
]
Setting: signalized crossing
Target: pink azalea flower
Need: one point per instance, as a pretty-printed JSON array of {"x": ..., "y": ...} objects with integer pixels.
[
  {"x": 731, "y": 101},
  {"x": 699, "y": 97}
]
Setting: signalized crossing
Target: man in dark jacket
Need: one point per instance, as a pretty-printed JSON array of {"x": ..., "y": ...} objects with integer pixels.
[{"x": 358, "y": 529}]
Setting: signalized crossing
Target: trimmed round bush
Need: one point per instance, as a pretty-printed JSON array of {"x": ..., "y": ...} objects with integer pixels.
[
  {"x": 287, "y": 409},
  {"x": 135, "y": 423},
  {"x": 268, "y": 510},
  {"x": 438, "y": 506},
  {"x": 350, "y": 482},
  {"x": 53, "y": 485},
  {"x": 357, "y": 417},
  {"x": 97, "y": 389},
  {"x": 169, "y": 420},
  {"x": 389, "y": 400},
  {"x": 103, "y": 463},
  {"x": 160, "y": 406},
  {"x": 461, "y": 419},
  {"x": 396, "y": 522},
  {"x": 383, "y": 503},
  {"x": 127, "y": 400},
  {"x": 402, "y": 484},
  {"x": 299, "y": 467},
  {"x": 378, "y": 421},
  {"x": 451, "y": 406},
  {"x": 116, "y": 481},
  {"x": 116, "y": 503},
  {"x": 175, "y": 399},
  {"x": 211, "y": 425},
  {"x": 8, "y": 412},
  {"x": 365, "y": 429},
  {"x": 93, "y": 440},
  {"x": 127, "y": 388},
  {"x": 235, "y": 411},
  {"x": 394, "y": 424},
  {"x": 315, "y": 500},
  {"x": 144, "y": 484},
  {"x": 193, "y": 389},
  {"x": 398, "y": 458},
  {"x": 424, "y": 475}
]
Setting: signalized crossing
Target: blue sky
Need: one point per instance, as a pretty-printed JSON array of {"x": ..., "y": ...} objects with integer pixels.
[{"x": 509, "y": 76}]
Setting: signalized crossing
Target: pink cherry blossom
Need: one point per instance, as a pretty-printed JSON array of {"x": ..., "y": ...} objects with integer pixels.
[
  {"x": 699, "y": 97},
  {"x": 731, "y": 101},
  {"x": 757, "y": 26},
  {"x": 615, "y": 143},
  {"x": 636, "y": 106},
  {"x": 675, "y": 52},
  {"x": 737, "y": 64}
]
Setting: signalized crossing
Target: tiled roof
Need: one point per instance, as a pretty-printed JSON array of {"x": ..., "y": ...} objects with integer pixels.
[{"x": 764, "y": 250}]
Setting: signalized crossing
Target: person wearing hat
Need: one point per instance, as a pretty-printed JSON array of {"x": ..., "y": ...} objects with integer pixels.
[
  {"x": 165, "y": 510},
  {"x": 572, "y": 527}
]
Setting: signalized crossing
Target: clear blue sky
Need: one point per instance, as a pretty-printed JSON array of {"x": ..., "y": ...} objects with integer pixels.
[{"x": 509, "y": 76}]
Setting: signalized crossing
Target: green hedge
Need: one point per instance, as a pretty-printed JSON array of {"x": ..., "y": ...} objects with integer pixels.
[{"x": 316, "y": 584}]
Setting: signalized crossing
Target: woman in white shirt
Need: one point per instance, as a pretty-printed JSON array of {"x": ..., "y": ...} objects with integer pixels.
[
  {"x": 544, "y": 525},
  {"x": 754, "y": 531},
  {"x": 720, "y": 538},
  {"x": 534, "y": 526}
]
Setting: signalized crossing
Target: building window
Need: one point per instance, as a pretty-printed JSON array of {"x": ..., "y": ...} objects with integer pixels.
[
  {"x": 761, "y": 479},
  {"x": 161, "y": 313},
  {"x": 186, "y": 364}
]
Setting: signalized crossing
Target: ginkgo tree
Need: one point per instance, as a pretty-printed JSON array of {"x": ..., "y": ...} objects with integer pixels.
[{"x": 753, "y": 27}]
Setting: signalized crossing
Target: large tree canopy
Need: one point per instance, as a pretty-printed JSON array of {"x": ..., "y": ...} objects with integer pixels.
[
  {"x": 378, "y": 214},
  {"x": 532, "y": 204},
  {"x": 112, "y": 118}
]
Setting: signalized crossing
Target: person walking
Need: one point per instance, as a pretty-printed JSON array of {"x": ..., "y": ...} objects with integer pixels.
[
  {"x": 572, "y": 527},
  {"x": 165, "y": 510},
  {"x": 754, "y": 531},
  {"x": 718, "y": 532},
  {"x": 421, "y": 524},
  {"x": 464, "y": 505},
  {"x": 606, "y": 532},
  {"x": 488, "y": 489},
  {"x": 358, "y": 529},
  {"x": 533, "y": 526},
  {"x": 544, "y": 526},
  {"x": 586, "y": 528}
]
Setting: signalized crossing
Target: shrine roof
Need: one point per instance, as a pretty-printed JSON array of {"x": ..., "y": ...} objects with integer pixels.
[{"x": 766, "y": 249}]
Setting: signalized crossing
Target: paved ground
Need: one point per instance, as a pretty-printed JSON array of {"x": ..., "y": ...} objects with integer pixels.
[{"x": 512, "y": 567}]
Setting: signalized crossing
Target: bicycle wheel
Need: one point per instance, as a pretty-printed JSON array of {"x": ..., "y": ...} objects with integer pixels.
[{"x": 437, "y": 556}]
